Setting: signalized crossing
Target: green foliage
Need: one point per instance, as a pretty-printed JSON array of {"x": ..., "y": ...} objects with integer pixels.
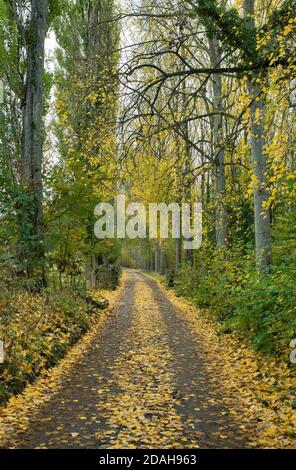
[
  {"x": 56, "y": 8},
  {"x": 233, "y": 30},
  {"x": 107, "y": 276},
  {"x": 237, "y": 32},
  {"x": 265, "y": 311},
  {"x": 261, "y": 308}
]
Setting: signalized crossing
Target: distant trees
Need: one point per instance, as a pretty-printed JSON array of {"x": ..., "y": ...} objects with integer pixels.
[{"x": 227, "y": 56}]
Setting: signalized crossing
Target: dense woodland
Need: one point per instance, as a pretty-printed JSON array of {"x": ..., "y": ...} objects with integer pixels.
[{"x": 164, "y": 100}]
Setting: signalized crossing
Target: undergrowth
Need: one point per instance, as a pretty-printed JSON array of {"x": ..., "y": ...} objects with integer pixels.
[
  {"x": 260, "y": 308},
  {"x": 37, "y": 330}
]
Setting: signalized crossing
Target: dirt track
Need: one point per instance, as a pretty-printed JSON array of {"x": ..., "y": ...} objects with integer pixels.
[{"x": 141, "y": 384}]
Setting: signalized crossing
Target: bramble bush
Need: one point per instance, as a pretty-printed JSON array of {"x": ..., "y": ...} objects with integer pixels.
[{"x": 261, "y": 308}]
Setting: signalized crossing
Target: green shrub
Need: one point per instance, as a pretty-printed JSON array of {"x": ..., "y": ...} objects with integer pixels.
[
  {"x": 262, "y": 308},
  {"x": 108, "y": 276}
]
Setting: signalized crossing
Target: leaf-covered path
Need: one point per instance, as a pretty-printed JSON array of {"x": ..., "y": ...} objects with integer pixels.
[{"x": 140, "y": 383}]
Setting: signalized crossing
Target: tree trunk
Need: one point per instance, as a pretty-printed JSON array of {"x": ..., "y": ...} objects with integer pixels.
[
  {"x": 32, "y": 251},
  {"x": 156, "y": 259},
  {"x": 93, "y": 32},
  {"x": 187, "y": 196},
  {"x": 186, "y": 182},
  {"x": 162, "y": 267},
  {"x": 261, "y": 212},
  {"x": 178, "y": 253},
  {"x": 221, "y": 217}
]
